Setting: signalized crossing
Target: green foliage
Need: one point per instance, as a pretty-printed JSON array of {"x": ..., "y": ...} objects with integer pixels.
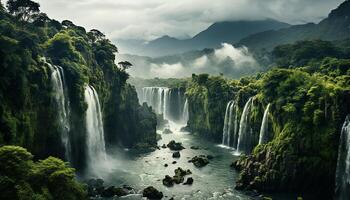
[
  {"x": 23, "y": 9},
  {"x": 303, "y": 52},
  {"x": 21, "y": 178}
]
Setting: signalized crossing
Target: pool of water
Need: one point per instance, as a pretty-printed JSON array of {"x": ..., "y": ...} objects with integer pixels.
[{"x": 214, "y": 181}]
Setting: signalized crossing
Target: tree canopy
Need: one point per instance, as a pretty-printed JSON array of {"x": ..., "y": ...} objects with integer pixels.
[{"x": 23, "y": 9}]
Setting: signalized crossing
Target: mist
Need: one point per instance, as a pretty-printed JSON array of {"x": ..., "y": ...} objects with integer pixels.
[{"x": 227, "y": 60}]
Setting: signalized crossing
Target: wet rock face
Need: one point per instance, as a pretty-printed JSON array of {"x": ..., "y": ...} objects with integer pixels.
[
  {"x": 176, "y": 154},
  {"x": 96, "y": 188},
  {"x": 152, "y": 193},
  {"x": 167, "y": 131},
  {"x": 175, "y": 146},
  {"x": 168, "y": 181},
  {"x": 189, "y": 181},
  {"x": 200, "y": 161},
  {"x": 178, "y": 178}
]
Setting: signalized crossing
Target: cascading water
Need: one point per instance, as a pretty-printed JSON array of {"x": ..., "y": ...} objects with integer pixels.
[
  {"x": 342, "y": 181},
  {"x": 245, "y": 132},
  {"x": 169, "y": 102},
  {"x": 185, "y": 115},
  {"x": 264, "y": 126},
  {"x": 226, "y": 133},
  {"x": 60, "y": 93},
  {"x": 94, "y": 126}
]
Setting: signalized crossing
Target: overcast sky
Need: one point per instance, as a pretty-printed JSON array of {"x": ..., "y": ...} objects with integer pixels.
[{"x": 148, "y": 19}]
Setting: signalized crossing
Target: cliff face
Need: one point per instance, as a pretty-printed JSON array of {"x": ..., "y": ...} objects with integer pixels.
[
  {"x": 29, "y": 115},
  {"x": 307, "y": 110}
]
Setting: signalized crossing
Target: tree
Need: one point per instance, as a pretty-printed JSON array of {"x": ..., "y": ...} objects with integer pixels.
[
  {"x": 23, "y": 9},
  {"x": 41, "y": 19},
  {"x": 96, "y": 35},
  {"x": 125, "y": 65}
]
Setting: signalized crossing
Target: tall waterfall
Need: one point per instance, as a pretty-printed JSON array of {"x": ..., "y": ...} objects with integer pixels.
[
  {"x": 60, "y": 93},
  {"x": 169, "y": 102},
  {"x": 342, "y": 181},
  {"x": 226, "y": 133},
  {"x": 245, "y": 132},
  {"x": 185, "y": 115},
  {"x": 94, "y": 126},
  {"x": 264, "y": 126}
]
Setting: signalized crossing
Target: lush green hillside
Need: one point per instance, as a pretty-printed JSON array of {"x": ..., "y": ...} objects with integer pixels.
[
  {"x": 23, "y": 178},
  {"x": 308, "y": 107},
  {"x": 334, "y": 27},
  {"x": 30, "y": 43}
]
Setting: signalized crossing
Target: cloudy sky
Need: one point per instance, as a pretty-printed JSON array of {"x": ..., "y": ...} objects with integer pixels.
[{"x": 148, "y": 19}]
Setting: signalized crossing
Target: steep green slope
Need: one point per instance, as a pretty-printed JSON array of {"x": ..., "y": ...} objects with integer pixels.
[
  {"x": 334, "y": 27},
  {"x": 28, "y": 115}
]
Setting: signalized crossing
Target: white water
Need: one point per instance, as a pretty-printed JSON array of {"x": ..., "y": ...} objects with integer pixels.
[
  {"x": 185, "y": 115},
  {"x": 60, "y": 92},
  {"x": 264, "y": 126},
  {"x": 342, "y": 181},
  {"x": 226, "y": 132},
  {"x": 162, "y": 100},
  {"x": 96, "y": 149},
  {"x": 244, "y": 134}
]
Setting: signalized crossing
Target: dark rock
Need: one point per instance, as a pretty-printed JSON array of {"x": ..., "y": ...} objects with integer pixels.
[
  {"x": 199, "y": 161},
  {"x": 121, "y": 191},
  {"x": 189, "y": 181},
  {"x": 165, "y": 165},
  {"x": 108, "y": 192},
  {"x": 168, "y": 181},
  {"x": 152, "y": 193},
  {"x": 175, "y": 146},
  {"x": 180, "y": 174},
  {"x": 176, "y": 154},
  {"x": 174, "y": 162},
  {"x": 167, "y": 131},
  {"x": 164, "y": 146},
  {"x": 195, "y": 147}
]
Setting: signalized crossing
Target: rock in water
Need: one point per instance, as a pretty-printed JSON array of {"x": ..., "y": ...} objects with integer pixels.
[
  {"x": 152, "y": 193},
  {"x": 176, "y": 154},
  {"x": 199, "y": 161},
  {"x": 167, "y": 131},
  {"x": 168, "y": 181},
  {"x": 189, "y": 181},
  {"x": 175, "y": 146}
]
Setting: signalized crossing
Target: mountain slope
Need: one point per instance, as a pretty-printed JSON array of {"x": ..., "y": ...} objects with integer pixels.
[
  {"x": 335, "y": 27},
  {"x": 212, "y": 37}
]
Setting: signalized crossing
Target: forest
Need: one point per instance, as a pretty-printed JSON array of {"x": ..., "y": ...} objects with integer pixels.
[{"x": 75, "y": 124}]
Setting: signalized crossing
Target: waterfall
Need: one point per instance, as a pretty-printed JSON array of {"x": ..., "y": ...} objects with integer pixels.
[
  {"x": 185, "y": 114},
  {"x": 94, "y": 126},
  {"x": 245, "y": 133},
  {"x": 226, "y": 132},
  {"x": 60, "y": 93},
  {"x": 264, "y": 126},
  {"x": 169, "y": 102},
  {"x": 342, "y": 181}
]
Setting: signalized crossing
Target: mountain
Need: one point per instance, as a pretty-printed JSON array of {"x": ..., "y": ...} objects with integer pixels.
[
  {"x": 335, "y": 27},
  {"x": 212, "y": 37}
]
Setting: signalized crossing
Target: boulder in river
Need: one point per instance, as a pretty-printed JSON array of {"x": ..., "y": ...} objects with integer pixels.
[
  {"x": 176, "y": 154},
  {"x": 174, "y": 162},
  {"x": 189, "y": 181},
  {"x": 199, "y": 161},
  {"x": 152, "y": 193},
  {"x": 168, "y": 181},
  {"x": 175, "y": 146},
  {"x": 167, "y": 131},
  {"x": 164, "y": 146},
  {"x": 195, "y": 147}
]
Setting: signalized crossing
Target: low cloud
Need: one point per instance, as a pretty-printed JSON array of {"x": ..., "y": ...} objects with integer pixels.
[
  {"x": 148, "y": 19},
  {"x": 227, "y": 60}
]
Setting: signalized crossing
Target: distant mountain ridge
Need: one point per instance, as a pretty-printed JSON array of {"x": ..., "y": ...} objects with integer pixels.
[
  {"x": 212, "y": 37},
  {"x": 335, "y": 27}
]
